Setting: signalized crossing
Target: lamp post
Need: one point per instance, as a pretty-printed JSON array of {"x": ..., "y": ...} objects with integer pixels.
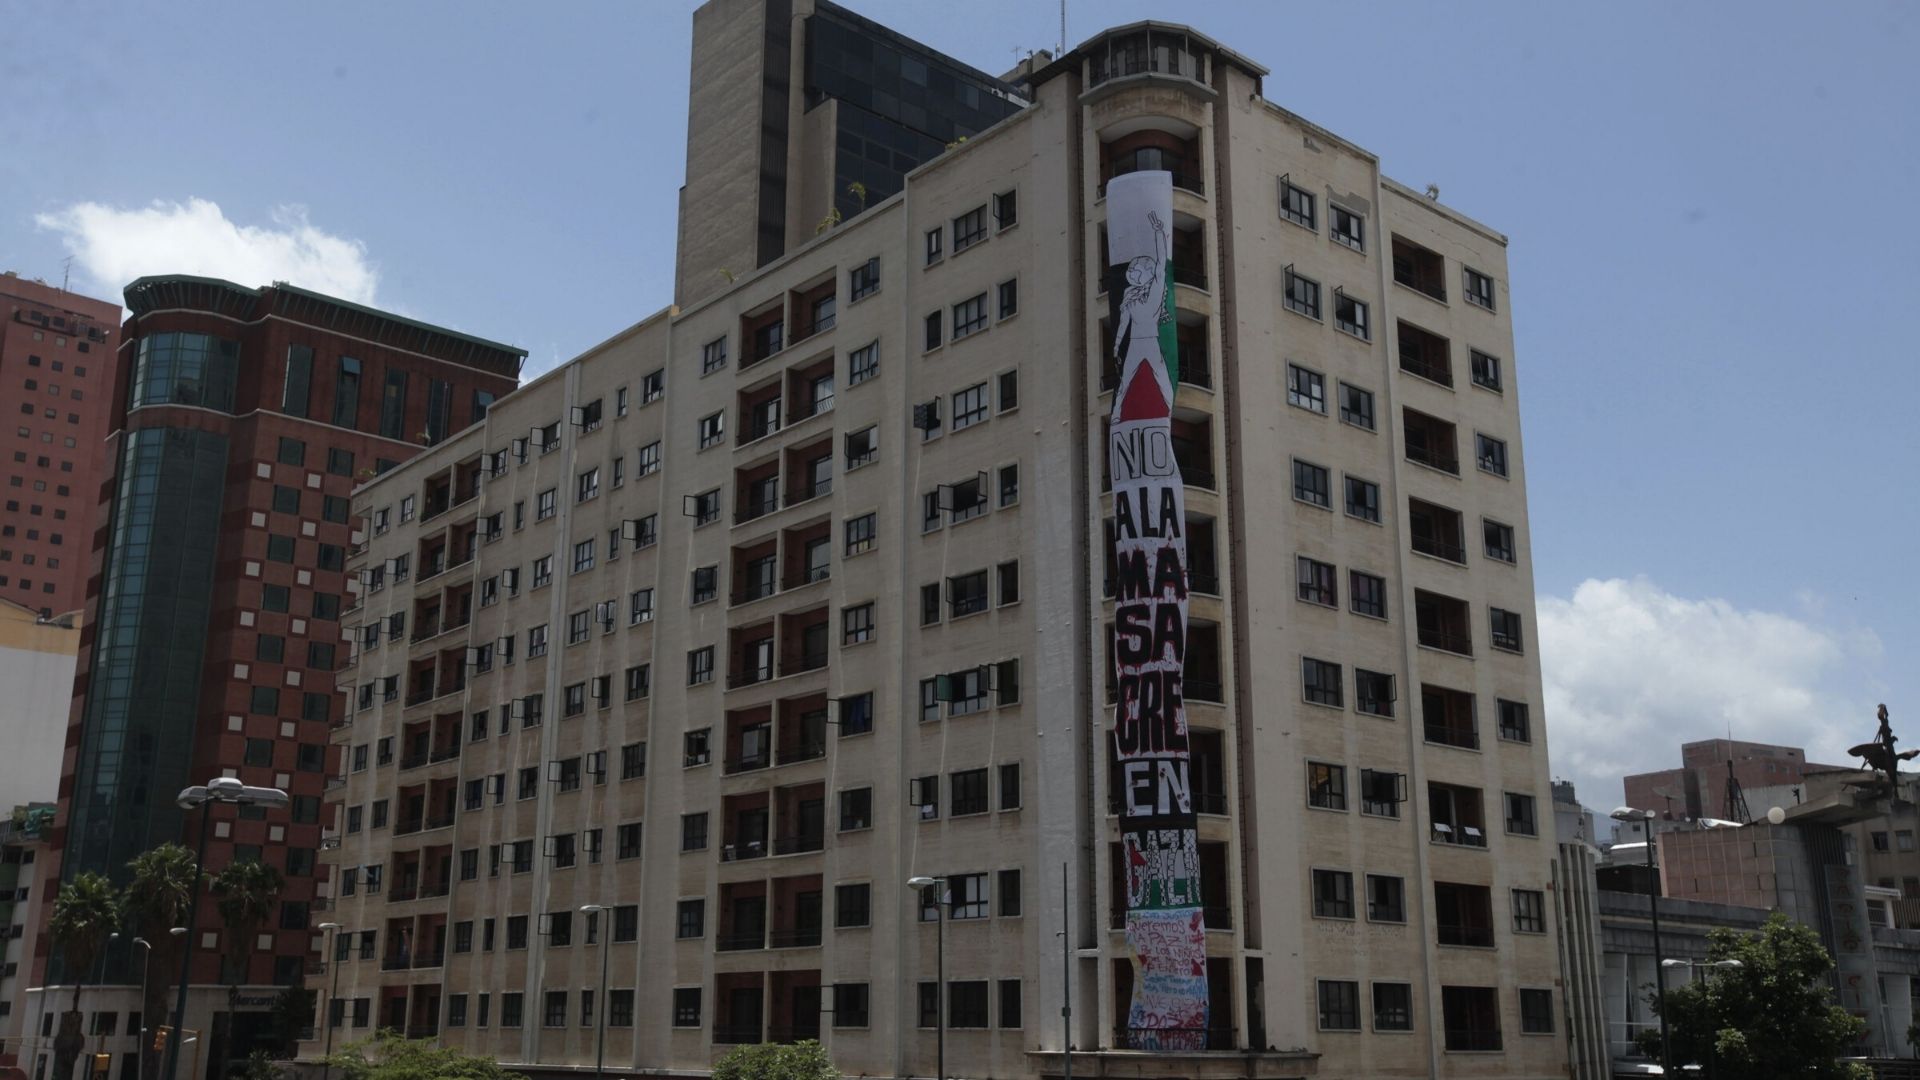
[
  {"x": 1645, "y": 817},
  {"x": 223, "y": 789},
  {"x": 146, "y": 961},
  {"x": 1713, "y": 1037},
  {"x": 333, "y": 995},
  {"x": 923, "y": 883},
  {"x": 600, "y": 1036}
]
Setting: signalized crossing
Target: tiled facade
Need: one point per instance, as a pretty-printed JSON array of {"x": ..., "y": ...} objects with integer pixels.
[{"x": 744, "y": 617}]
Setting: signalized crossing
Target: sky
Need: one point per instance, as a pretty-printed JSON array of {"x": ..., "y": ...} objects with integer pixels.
[{"x": 1711, "y": 249}]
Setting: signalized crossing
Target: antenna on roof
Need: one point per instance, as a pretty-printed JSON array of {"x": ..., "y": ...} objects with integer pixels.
[
  {"x": 1063, "y": 28},
  {"x": 66, "y": 271}
]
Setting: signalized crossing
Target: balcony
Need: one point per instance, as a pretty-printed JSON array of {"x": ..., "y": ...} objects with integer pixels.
[
  {"x": 1443, "y": 622},
  {"x": 748, "y": 761},
  {"x": 736, "y": 1034},
  {"x": 1431, "y": 441},
  {"x": 1425, "y": 354},
  {"x": 1474, "y": 937},
  {"x": 799, "y": 937},
  {"x": 1478, "y": 1040},
  {"x": 743, "y": 850},
  {"x": 740, "y": 941},
  {"x": 1153, "y": 151},
  {"x": 793, "y": 1034},
  {"x": 1421, "y": 269},
  {"x": 1449, "y": 717},
  {"x": 396, "y": 962},
  {"x": 428, "y": 959},
  {"x": 799, "y": 844},
  {"x": 1210, "y": 1038},
  {"x": 806, "y": 660},
  {"x": 1437, "y": 530},
  {"x": 1154, "y": 51}
]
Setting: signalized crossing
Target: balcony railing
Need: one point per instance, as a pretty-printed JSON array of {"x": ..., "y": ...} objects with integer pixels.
[
  {"x": 796, "y": 938},
  {"x": 748, "y": 762},
  {"x": 1453, "y": 735},
  {"x": 811, "y": 491},
  {"x": 1210, "y": 802},
  {"x": 741, "y": 941},
  {"x": 749, "y": 676},
  {"x": 794, "y": 845},
  {"x": 1218, "y": 917},
  {"x": 806, "y": 661},
  {"x": 1439, "y": 549},
  {"x": 1475, "y": 1039},
  {"x": 1459, "y": 835},
  {"x": 1186, "y": 174},
  {"x": 803, "y": 751},
  {"x": 742, "y": 850},
  {"x": 1433, "y": 370},
  {"x": 1434, "y": 459},
  {"x": 428, "y": 960},
  {"x": 1173, "y": 1038},
  {"x": 440, "y": 821},
  {"x": 407, "y": 826},
  {"x": 1201, "y": 581},
  {"x": 793, "y": 1034},
  {"x": 414, "y": 760},
  {"x": 808, "y": 576},
  {"x": 1200, "y": 476},
  {"x": 405, "y": 891},
  {"x": 400, "y": 962},
  {"x": 445, "y": 753},
  {"x": 736, "y": 1033},
  {"x": 1190, "y": 275},
  {"x": 1204, "y": 689},
  {"x": 754, "y": 590},
  {"x": 1446, "y": 640},
  {"x": 1479, "y": 937},
  {"x": 423, "y": 1031},
  {"x": 755, "y": 508}
]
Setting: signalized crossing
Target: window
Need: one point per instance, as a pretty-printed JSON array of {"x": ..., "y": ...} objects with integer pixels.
[
  {"x": 1536, "y": 1012},
  {"x": 1010, "y": 786},
  {"x": 967, "y": 897},
  {"x": 1392, "y": 1006},
  {"x": 934, "y": 238},
  {"x": 1302, "y": 295},
  {"x": 1009, "y": 484},
  {"x": 1306, "y": 389},
  {"x": 969, "y": 316},
  {"x": 1381, "y": 793},
  {"x": 1007, "y": 298},
  {"x": 706, "y": 507},
  {"x": 537, "y": 641},
  {"x": 633, "y": 761},
  {"x": 1513, "y": 724},
  {"x": 1009, "y": 578},
  {"x": 700, "y": 665},
  {"x": 542, "y": 571},
  {"x": 856, "y": 714},
  {"x": 970, "y": 406},
  {"x": 1356, "y": 406},
  {"x": 1499, "y": 540},
  {"x": 1369, "y": 593},
  {"x": 1386, "y": 899},
  {"x": 649, "y": 459},
  {"x": 1326, "y": 785},
  {"x": 1529, "y": 911},
  {"x": 933, "y": 334},
  {"x": 856, "y": 624},
  {"x": 863, "y": 363},
  {"x": 1506, "y": 629},
  {"x": 1346, "y": 227},
  {"x": 587, "y": 485},
  {"x": 1317, "y": 582},
  {"x": 693, "y": 832},
  {"x": 968, "y": 790},
  {"x": 858, "y": 533},
  {"x": 713, "y": 356},
  {"x": 1521, "y": 820},
  {"x": 1006, "y": 215},
  {"x": 639, "y": 607},
  {"x": 1332, "y": 894},
  {"x": 1350, "y": 314},
  {"x": 1296, "y": 204},
  {"x": 1363, "y": 499},
  {"x": 286, "y": 500},
  {"x": 864, "y": 280},
  {"x": 546, "y": 504},
  {"x": 1478, "y": 286},
  {"x": 923, "y": 792},
  {"x": 691, "y": 919},
  {"x": 583, "y": 556},
  {"x": 1486, "y": 370},
  {"x": 627, "y": 846},
  {"x": 1372, "y": 692},
  {"x": 850, "y": 1004},
  {"x": 686, "y": 1006},
  {"x": 1491, "y": 453},
  {"x": 653, "y": 386},
  {"x": 1312, "y": 484},
  {"x": 1339, "y": 1005},
  {"x": 1320, "y": 681},
  {"x": 852, "y": 905},
  {"x": 969, "y": 229},
  {"x": 713, "y": 429},
  {"x": 697, "y": 747}
]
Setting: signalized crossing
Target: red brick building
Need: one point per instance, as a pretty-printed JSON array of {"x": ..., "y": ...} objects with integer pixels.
[
  {"x": 58, "y": 363},
  {"x": 242, "y": 420},
  {"x": 1698, "y": 788}
]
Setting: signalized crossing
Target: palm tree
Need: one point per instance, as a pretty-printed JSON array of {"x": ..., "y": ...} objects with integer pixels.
[
  {"x": 154, "y": 902},
  {"x": 246, "y": 894},
  {"x": 84, "y": 914}
]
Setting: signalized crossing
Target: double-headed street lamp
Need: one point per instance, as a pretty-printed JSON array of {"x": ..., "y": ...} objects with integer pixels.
[
  {"x": 333, "y": 959},
  {"x": 594, "y": 911},
  {"x": 1646, "y": 817},
  {"x": 923, "y": 883},
  {"x": 224, "y": 789}
]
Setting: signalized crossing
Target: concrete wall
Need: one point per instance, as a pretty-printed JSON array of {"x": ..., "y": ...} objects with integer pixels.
[{"x": 36, "y": 668}]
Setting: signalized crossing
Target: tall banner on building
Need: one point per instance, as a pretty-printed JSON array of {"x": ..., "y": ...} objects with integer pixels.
[{"x": 1166, "y": 931}]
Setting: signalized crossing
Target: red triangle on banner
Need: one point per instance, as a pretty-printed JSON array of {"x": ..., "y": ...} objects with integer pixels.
[{"x": 1143, "y": 400}]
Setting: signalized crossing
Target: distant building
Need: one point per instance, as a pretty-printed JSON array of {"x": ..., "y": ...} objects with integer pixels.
[
  {"x": 23, "y": 888},
  {"x": 1698, "y": 788},
  {"x": 243, "y": 420},
  {"x": 59, "y": 358}
]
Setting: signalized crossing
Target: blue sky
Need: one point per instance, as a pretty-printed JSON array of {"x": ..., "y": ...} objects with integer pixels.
[{"x": 1711, "y": 252}]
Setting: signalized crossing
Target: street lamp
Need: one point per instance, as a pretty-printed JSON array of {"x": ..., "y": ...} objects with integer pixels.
[
  {"x": 600, "y": 1038},
  {"x": 1713, "y": 1037},
  {"x": 1645, "y": 817},
  {"x": 146, "y": 961},
  {"x": 333, "y": 995},
  {"x": 923, "y": 883},
  {"x": 223, "y": 789}
]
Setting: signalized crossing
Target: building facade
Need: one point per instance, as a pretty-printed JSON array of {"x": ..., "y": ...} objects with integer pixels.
[
  {"x": 22, "y": 890},
  {"x": 798, "y": 590},
  {"x": 59, "y": 358},
  {"x": 242, "y": 421},
  {"x": 37, "y": 656},
  {"x": 1699, "y": 787}
]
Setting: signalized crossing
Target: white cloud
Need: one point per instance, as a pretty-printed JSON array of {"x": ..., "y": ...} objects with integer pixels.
[
  {"x": 1632, "y": 671},
  {"x": 114, "y": 246}
]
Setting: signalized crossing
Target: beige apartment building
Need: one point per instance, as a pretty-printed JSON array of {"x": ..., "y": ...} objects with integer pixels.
[{"x": 794, "y": 591}]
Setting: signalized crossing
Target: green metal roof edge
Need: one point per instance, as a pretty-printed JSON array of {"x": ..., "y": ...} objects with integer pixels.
[{"x": 257, "y": 293}]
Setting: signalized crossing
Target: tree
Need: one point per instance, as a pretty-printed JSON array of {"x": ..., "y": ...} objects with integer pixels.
[
  {"x": 389, "y": 1056},
  {"x": 805, "y": 1060},
  {"x": 155, "y": 901},
  {"x": 85, "y": 912},
  {"x": 246, "y": 894},
  {"x": 1771, "y": 1018}
]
